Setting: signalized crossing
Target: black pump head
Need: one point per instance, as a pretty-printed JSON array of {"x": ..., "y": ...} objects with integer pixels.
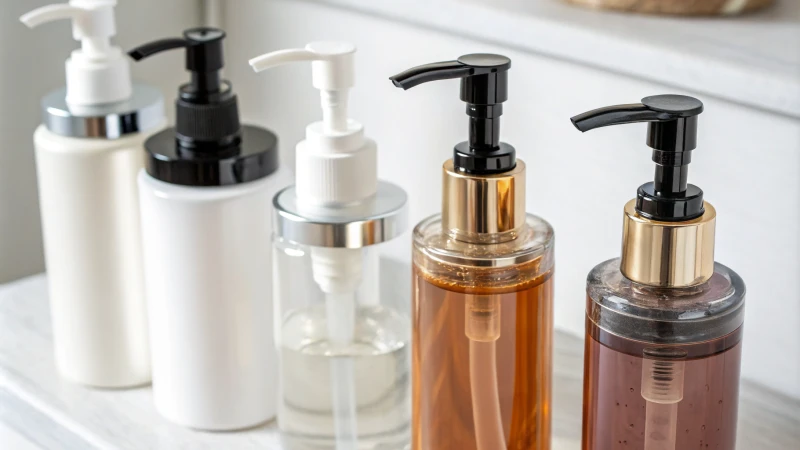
[
  {"x": 672, "y": 134},
  {"x": 206, "y": 108},
  {"x": 484, "y": 87}
]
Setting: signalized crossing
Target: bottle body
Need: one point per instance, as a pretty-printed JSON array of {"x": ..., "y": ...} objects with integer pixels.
[
  {"x": 207, "y": 272},
  {"x": 372, "y": 368},
  {"x": 482, "y": 333},
  {"x": 91, "y": 229},
  {"x": 665, "y": 374}
]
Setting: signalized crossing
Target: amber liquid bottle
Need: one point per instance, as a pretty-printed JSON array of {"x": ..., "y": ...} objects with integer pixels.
[
  {"x": 482, "y": 307},
  {"x": 482, "y": 316},
  {"x": 664, "y": 321}
]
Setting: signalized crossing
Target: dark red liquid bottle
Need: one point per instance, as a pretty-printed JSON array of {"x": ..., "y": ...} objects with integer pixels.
[{"x": 664, "y": 321}]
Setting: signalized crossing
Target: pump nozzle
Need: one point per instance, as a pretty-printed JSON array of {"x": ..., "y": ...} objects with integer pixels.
[
  {"x": 332, "y": 66},
  {"x": 97, "y": 73},
  {"x": 207, "y": 110},
  {"x": 484, "y": 87},
  {"x": 672, "y": 134}
]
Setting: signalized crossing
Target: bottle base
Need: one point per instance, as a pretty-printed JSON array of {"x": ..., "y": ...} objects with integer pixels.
[{"x": 392, "y": 440}]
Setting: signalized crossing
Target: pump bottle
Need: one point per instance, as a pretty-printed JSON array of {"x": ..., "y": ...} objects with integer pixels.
[
  {"x": 343, "y": 345},
  {"x": 664, "y": 321},
  {"x": 483, "y": 289},
  {"x": 88, "y": 152},
  {"x": 205, "y": 196}
]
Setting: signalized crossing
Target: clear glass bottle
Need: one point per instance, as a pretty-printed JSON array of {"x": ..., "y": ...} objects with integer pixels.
[
  {"x": 483, "y": 325},
  {"x": 343, "y": 344},
  {"x": 645, "y": 344},
  {"x": 378, "y": 353}
]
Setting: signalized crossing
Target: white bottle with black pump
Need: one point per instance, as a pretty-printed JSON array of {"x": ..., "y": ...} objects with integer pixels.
[
  {"x": 343, "y": 344},
  {"x": 205, "y": 198},
  {"x": 88, "y": 154}
]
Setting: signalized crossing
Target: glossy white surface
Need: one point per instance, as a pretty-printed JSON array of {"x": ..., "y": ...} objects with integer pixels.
[
  {"x": 207, "y": 256},
  {"x": 50, "y": 413},
  {"x": 90, "y": 219}
]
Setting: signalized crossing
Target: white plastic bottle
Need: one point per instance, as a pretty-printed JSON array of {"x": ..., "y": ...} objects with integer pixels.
[
  {"x": 88, "y": 152},
  {"x": 343, "y": 342},
  {"x": 205, "y": 199}
]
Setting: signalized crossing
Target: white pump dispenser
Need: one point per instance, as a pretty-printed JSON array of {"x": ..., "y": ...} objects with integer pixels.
[
  {"x": 336, "y": 164},
  {"x": 89, "y": 150},
  {"x": 337, "y": 195},
  {"x": 98, "y": 73}
]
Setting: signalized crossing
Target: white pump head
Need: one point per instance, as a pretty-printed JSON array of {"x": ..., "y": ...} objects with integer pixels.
[
  {"x": 332, "y": 73},
  {"x": 336, "y": 165},
  {"x": 98, "y": 73}
]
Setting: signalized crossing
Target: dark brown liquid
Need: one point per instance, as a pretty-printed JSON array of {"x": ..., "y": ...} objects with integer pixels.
[
  {"x": 442, "y": 417},
  {"x": 614, "y": 409}
]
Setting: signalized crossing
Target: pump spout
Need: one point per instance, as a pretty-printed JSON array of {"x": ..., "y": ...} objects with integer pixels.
[
  {"x": 484, "y": 87},
  {"x": 207, "y": 114},
  {"x": 444, "y": 70},
  {"x": 332, "y": 66},
  {"x": 616, "y": 115},
  {"x": 672, "y": 134},
  {"x": 98, "y": 73}
]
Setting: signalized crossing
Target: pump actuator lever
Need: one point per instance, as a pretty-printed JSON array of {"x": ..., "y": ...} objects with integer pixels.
[
  {"x": 672, "y": 134},
  {"x": 203, "y": 55},
  {"x": 484, "y": 87},
  {"x": 333, "y": 73},
  {"x": 207, "y": 114},
  {"x": 98, "y": 73}
]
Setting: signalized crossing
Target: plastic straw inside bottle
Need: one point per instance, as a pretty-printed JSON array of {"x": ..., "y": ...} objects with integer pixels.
[
  {"x": 483, "y": 330},
  {"x": 340, "y": 310},
  {"x": 662, "y": 387}
]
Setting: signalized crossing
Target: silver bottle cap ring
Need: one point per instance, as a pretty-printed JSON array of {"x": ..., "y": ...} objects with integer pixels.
[
  {"x": 377, "y": 220},
  {"x": 143, "y": 111}
]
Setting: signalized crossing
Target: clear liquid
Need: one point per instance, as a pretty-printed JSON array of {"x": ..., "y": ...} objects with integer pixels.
[{"x": 380, "y": 358}]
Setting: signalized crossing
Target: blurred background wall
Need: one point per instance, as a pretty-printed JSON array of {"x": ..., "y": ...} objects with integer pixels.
[
  {"x": 33, "y": 64},
  {"x": 747, "y": 161}
]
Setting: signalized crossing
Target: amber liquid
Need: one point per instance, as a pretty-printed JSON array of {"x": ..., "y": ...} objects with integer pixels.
[
  {"x": 442, "y": 417},
  {"x": 614, "y": 409}
]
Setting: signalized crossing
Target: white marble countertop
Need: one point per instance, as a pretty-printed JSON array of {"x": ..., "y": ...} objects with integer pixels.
[
  {"x": 40, "y": 411},
  {"x": 753, "y": 59}
]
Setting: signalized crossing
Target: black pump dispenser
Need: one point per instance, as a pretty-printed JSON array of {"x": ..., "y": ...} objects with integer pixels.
[
  {"x": 208, "y": 146},
  {"x": 672, "y": 134},
  {"x": 484, "y": 87}
]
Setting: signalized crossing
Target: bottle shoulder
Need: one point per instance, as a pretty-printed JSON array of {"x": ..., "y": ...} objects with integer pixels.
[
  {"x": 666, "y": 315},
  {"x": 51, "y": 142},
  {"x": 509, "y": 265},
  {"x": 169, "y": 191}
]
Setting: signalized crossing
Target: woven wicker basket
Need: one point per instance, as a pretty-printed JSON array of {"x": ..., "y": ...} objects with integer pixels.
[{"x": 678, "y": 7}]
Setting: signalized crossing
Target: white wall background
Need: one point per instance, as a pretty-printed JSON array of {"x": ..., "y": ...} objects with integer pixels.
[
  {"x": 578, "y": 182},
  {"x": 33, "y": 64}
]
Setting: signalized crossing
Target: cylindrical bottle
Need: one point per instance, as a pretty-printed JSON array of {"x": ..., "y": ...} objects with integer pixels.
[
  {"x": 88, "y": 152},
  {"x": 207, "y": 255},
  {"x": 205, "y": 202},
  {"x": 90, "y": 224},
  {"x": 483, "y": 289},
  {"x": 635, "y": 335},
  {"x": 664, "y": 321},
  {"x": 343, "y": 344},
  {"x": 482, "y": 340},
  {"x": 344, "y": 353}
]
